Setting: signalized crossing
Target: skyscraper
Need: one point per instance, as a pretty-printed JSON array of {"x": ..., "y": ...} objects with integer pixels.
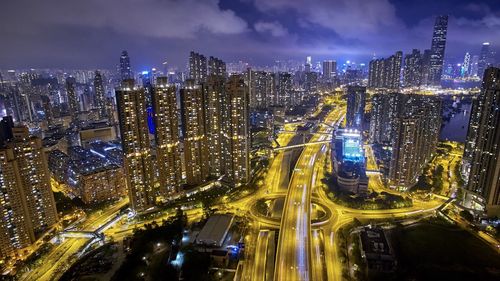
[
  {"x": 356, "y": 100},
  {"x": 34, "y": 175},
  {"x": 437, "y": 50},
  {"x": 100, "y": 99},
  {"x": 238, "y": 159},
  {"x": 466, "y": 66},
  {"x": 412, "y": 72},
  {"x": 385, "y": 73},
  {"x": 215, "y": 97},
  {"x": 73, "y": 105},
  {"x": 198, "y": 67},
  {"x": 131, "y": 103},
  {"x": 216, "y": 67},
  {"x": 485, "y": 59},
  {"x": 196, "y": 156},
  {"x": 283, "y": 93},
  {"x": 415, "y": 132},
  {"x": 483, "y": 186},
  {"x": 125, "y": 70},
  {"x": 27, "y": 203},
  {"x": 329, "y": 69},
  {"x": 167, "y": 136}
]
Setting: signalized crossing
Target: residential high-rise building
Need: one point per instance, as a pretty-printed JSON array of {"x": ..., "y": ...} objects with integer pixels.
[
  {"x": 73, "y": 105},
  {"x": 385, "y": 109},
  {"x": 485, "y": 59},
  {"x": 356, "y": 100},
  {"x": 125, "y": 70},
  {"x": 198, "y": 67},
  {"x": 262, "y": 88},
  {"x": 412, "y": 72},
  {"x": 28, "y": 206},
  {"x": 196, "y": 154},
  {"x": 216, "y": 121},
  {"x": 437, "y": 50},
  {"x": 216, "y": 67},
  {"x": 385, "y": 73},
  {"x": 415, "y": 132},
  {"x": 132, "y": 116},
  {"x": 168, "y": 155},
  {"x": 426, "y": 65},
  {"x": 238, "y": 159},
  {"x": 283, "y": 93},
  {"x": 329, "y": 69},
  {"x": 16, "y": 230},
  {"x": 100, "y": 98},
  {"x": 483, "y": 185}
]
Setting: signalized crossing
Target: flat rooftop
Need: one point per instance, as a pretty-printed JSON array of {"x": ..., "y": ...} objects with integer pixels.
[{"x": 215, "y": 230}]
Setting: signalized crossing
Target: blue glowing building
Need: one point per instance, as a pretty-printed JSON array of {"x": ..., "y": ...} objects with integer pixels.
[{"x": 348, "y": 158}]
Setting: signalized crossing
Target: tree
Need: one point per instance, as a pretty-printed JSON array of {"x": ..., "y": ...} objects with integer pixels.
[{"x": 467, "y": 215}]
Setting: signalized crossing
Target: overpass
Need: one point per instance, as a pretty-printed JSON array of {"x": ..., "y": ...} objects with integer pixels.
[
  {"x": 300, "y": 145},
  {"x": 305, "y": 133},
  {"x": 95, "y": 234}
]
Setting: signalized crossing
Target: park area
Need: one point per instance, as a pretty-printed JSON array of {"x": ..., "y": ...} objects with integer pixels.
[{"x": 437, "y": 250}]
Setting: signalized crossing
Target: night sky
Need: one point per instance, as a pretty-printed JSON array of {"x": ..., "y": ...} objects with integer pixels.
[{"x": 92, "y": 33}]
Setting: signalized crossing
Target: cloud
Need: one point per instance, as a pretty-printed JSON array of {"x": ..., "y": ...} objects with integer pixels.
[
  {"x": 155, "y": 18},
  {"x": 274, "y": 28},
  {"x": 347, "y": 17}
]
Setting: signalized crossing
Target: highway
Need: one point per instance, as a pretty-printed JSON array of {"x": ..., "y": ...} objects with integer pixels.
[
  {"x": 59, "y": 258},
  {"x": 293, "y": 260}
]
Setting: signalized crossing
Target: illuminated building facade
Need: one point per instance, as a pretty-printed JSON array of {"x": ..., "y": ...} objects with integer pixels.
[
  {"x": 99, "y": 92},
  {"x": 356, "y": 100},
  {"x": 131, "y": 103},
  {"x": 196, "y": 154},
  {"x": 437, "y": 50},
  {"x": 483, "y": 153},
  {"x": 167, "y": 136},
  {"x": 238, "y": 159},
  {"x": 27, "y": 203},
  {"x": 198, "y": 67},
  {"x": 348, "y": 159}
]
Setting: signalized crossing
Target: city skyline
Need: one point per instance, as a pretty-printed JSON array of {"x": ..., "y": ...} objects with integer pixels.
[
  {"x": 250, "y": 140},
  {"x": 259, "y": 31}
]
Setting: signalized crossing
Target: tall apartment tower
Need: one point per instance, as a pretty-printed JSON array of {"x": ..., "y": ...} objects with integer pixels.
[
  {"x": 215, "y": 123},
  {"x": 198, "y": 67},
  {"x": 238, "y": 159},
  {"x": 412, "y": 72},
  {"x": 261, "y": 88},
  {"x": 131, "y": 104},
  {"x": 73, "y": 105},
  {"x": 385, "y": 73},
  {"x": 196, "y": 154},
  {"x": 356, "y": 100},
  {"x": 283, "y": 93},
  {"x": 385, "y": 109},
  {"x": 415, "y": 132},
  {"x": 483, "y": 186},
  {"x": 125, "y": 70},
  {"x": 216, "y": 67},
  {"x": 100, "y": 98},
  {"x": 166, "y": 122},
  {"x": 437, "y": 50},
  {"x": 28, "y": 206}
]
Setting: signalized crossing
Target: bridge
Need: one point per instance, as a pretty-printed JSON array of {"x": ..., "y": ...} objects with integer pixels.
[
  {"x": 95, "y": 234},
  {"x": 300, "y": 145}
]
